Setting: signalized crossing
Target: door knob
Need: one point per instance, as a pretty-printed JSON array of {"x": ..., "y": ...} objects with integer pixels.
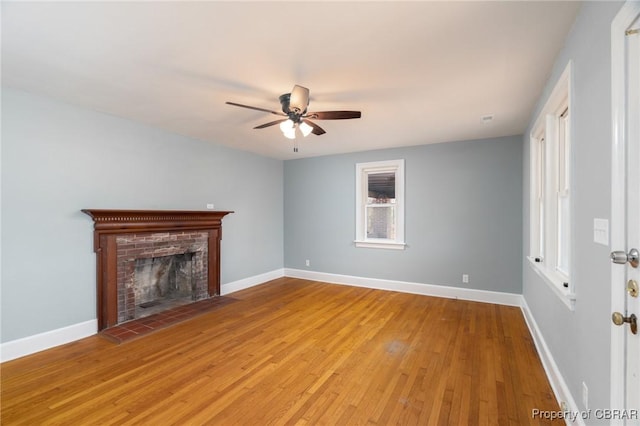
[
  {"x": 620, "y": 257},
  {"x": 619, "y": 319}
]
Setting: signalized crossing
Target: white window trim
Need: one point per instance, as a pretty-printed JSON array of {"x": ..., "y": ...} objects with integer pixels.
[
  {"x": 361, "y": 240},
  {"x": 546, "y": 127}
]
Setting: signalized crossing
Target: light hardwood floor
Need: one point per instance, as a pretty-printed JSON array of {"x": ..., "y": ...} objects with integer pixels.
[{"x": 296, "y": 352}]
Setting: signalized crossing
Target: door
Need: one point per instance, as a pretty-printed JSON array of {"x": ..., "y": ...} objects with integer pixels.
[{"x": 625, "y": 214}]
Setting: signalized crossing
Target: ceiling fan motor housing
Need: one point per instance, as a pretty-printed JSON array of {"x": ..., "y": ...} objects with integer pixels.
[
  {"x": 284, "y": 101},
  {"x": 294, "y": 114}
]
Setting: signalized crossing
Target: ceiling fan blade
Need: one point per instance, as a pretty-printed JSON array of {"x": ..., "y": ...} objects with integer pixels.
[
  {"x": 334, "y": 115},
  {"x": 271, "y": 123},
  {"x": 255, "y": 108},
  {"x": 317, "y": 130},
  {"x": 299, "y": 99}
]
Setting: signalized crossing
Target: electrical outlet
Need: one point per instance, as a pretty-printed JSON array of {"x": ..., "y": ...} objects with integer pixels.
[
  {"x": 210, "y": 206},
  {"x": 585, "y": 396},
  {"x": 465, "y": 278},
  {"x": 307, "y": 262}
]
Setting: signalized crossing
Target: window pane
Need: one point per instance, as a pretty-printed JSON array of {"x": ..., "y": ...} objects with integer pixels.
[
  {"x": 563, "y": 152},
  {"x": 541, "y": 230},
  {"x": 381, "y": 188},
  {"x": 381, "y": 221},
  {"x": 540, "y": 164},
  {"x": 563, "y": 235}
]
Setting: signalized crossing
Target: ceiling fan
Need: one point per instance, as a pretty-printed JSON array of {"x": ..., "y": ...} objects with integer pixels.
[{"x": 294, "y": 108}]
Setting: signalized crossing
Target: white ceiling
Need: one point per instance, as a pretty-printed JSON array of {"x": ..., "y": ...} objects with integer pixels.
[{"x": 420, "y": 72}]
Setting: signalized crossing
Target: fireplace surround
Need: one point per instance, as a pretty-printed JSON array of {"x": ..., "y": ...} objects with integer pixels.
[{"x": 124, "y": 238}]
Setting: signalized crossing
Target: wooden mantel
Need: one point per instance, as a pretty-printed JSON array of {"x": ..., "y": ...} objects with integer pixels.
[
  {"x": 154, "y": 220},
  {"x": 109, "y": 224}
]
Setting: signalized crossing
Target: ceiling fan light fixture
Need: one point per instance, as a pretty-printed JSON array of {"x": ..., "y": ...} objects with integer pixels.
[
  {"x": 305, "y": 129},
  {"x": 288, "y": 129},
  {"x": 286, "y": 126}
]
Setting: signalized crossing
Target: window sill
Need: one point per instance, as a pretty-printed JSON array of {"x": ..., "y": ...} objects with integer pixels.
[
  {"x": 392, "y": 245},
  {"x": 555, "y": 282}
]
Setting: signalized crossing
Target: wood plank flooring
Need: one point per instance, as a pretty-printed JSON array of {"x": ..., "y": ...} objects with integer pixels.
[{"x": 295, "y": 352}]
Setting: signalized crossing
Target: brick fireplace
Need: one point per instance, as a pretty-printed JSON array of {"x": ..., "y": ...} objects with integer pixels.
[
  {"x": 150, "y": 259},
  {"x": 147, "y": 264}
]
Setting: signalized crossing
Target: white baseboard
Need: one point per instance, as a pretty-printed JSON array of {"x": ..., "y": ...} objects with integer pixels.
[
  {"x": 558, "y": 384},
  {"x": 509, "y": 299},
  {"x": 49, "y": 339},
  {"x": 250, "y": 281}
]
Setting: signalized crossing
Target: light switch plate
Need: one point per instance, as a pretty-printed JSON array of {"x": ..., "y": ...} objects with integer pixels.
[{"x": 601, "y": 231}]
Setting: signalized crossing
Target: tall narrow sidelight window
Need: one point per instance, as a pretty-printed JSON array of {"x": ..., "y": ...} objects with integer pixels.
[
  {"x": 550, "y": 199},
  {"x": 380, "y": 204}
]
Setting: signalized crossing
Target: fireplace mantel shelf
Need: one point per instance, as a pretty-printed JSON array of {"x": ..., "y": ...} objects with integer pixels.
[
  {"x": 109, "y": 225},
  {"x": 119, "y": 220}
]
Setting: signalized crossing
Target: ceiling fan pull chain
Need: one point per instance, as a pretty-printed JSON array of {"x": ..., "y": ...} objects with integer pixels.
[{"x": 295, "y": 145}]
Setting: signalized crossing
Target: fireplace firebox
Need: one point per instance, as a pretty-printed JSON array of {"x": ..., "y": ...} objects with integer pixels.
[
  {"x": 160, "y": 283},
  {"x": 151, "y": 260}
]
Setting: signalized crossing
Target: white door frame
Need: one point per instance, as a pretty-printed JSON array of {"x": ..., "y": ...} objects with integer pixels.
[{"x": 621, "y": 22}]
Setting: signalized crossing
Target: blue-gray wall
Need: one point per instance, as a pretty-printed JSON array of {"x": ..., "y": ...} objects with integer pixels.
[
  {"x": 463, "y": 215},
  {"x": 58, "y": 159},
  {"x": 580, "y": 340}
]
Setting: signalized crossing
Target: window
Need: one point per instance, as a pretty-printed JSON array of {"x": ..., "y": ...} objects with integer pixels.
[
  {"x": 550, "y": 192},
  {"x": 380, "y": 204}
]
